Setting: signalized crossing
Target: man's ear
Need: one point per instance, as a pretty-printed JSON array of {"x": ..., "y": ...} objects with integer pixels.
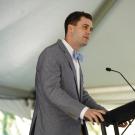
[{"x": 70, "y": 28}]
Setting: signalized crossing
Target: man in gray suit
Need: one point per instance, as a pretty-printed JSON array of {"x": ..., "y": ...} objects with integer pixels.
[{"x": 62, "y": 105}]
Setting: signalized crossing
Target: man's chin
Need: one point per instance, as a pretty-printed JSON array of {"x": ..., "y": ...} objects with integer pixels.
[{"x": 84, "y": 44}]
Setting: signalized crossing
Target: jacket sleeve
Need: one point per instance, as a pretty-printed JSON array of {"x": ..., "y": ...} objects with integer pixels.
[{"x": 90, "y": 102}]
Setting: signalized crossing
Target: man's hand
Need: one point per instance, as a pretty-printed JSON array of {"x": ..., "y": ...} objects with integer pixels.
[
  {"x": 123, "y": 125},
  {"x": 94, "y": 115},
  {"x": 126, "y": 123}
]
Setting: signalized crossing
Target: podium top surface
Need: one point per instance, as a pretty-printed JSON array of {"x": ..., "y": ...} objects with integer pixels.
[{"x": 120, "y": 114}]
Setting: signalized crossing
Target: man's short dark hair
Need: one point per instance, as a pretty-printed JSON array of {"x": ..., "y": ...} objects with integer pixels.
[{"x": 74, "y": 17}]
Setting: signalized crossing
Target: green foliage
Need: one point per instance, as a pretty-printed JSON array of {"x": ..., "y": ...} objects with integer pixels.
[{"x": 6, "y": 122}]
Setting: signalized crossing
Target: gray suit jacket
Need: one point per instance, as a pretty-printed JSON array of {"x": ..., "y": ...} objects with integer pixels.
[{"x": 58, "y": 104}]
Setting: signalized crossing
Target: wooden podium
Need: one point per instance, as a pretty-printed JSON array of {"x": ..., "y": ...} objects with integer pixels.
[{"x": 118, "y": 115}]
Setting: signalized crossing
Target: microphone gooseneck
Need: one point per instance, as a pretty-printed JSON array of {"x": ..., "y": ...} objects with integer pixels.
[{"x": 109, "y": 69}]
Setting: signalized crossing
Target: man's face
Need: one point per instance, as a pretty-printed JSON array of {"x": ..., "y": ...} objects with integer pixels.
[{"x": 81, "y": 31}]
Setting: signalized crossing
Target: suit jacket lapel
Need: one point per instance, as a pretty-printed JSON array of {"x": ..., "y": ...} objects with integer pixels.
[
  {"x": 81, "y": 83},
  {"x": 68, "y": 56}
]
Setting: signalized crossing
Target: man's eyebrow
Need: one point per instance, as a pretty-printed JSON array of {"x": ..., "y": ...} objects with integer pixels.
[
  {"x": 91, "y": 28},
  {"x": 86, "y": 24}
]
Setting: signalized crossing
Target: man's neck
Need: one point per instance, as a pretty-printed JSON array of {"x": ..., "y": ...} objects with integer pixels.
[{"x": 72, "y": 44}]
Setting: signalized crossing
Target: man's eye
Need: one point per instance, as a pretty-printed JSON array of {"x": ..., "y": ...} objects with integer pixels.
[{"x": 85, "y": 27}]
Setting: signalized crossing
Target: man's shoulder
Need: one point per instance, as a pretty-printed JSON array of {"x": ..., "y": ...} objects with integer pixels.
[
  {"x": 53, "y": 49},
  {"x": 50, "y": 47}
]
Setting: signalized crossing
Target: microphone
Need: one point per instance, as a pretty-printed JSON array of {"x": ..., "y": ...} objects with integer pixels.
[{"x": 109, "y": 70}]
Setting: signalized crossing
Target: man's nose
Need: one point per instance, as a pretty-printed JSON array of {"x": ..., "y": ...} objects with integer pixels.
[{"x": 89, "y": 31}]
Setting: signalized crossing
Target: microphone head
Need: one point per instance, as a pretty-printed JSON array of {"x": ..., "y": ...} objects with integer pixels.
[{"x": 108, "y": 69}]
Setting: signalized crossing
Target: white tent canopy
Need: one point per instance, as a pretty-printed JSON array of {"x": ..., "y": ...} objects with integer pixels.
[{"x": 27, "y": 27}]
